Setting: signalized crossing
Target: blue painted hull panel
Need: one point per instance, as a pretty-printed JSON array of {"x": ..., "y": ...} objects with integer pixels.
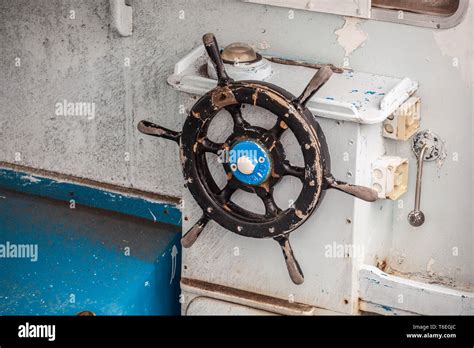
[
  {"x": 83, "y": 261},
  {"x": 89, "y": 196}
]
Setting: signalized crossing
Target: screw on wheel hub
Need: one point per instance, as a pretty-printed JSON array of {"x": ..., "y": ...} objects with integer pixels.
[{"x": 257, "y": 172}]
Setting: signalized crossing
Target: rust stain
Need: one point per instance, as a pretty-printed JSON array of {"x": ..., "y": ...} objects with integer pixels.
[
  {"x": 382, "y": 265},
  {"x": 255, "y": 96},
  {"x": 266, "y": 186},
  {"x": 299, "y": 214},
  {"x": 274, "y": 174},
  {"x": 272, "y": 146},
  {"x": 222, "y": 97}
]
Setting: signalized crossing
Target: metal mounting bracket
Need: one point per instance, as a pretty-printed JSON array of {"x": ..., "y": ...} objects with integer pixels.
[{"x": 122, "y": 19}]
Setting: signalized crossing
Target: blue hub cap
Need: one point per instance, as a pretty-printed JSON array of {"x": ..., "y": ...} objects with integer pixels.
[{"x": 250, "y": 162}]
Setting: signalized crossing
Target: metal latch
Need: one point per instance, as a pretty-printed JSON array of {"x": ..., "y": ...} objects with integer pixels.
[{"x": 428, "y": 147}]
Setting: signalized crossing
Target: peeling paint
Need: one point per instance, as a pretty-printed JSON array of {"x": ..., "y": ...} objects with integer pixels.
[
  {"x": 31, "y": 179},
  {"x": 153, "y": 215},
  {"x": 350, "y": 36}
]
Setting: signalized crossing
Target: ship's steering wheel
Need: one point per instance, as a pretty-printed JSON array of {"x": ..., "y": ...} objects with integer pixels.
[{"x": 255, "y": 158}]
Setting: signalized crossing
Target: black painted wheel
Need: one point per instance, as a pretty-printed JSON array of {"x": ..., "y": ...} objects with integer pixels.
[
  {"x": 291, "y": 114},
  {"x": 216, "y": 202}
]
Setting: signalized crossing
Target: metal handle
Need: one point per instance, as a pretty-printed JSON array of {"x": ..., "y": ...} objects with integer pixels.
[
  {"x": 416, "y": 217},
  {"x": 427, "y": 146},
  {"x": 152, "y": 129},
  {"x": 194, "y": 232},
  {"x": 365, "y": 193},
  {"x": 319, "y": 80},
  {"x": 212, "y": 49},
  {"x": 294, "y": 269}
]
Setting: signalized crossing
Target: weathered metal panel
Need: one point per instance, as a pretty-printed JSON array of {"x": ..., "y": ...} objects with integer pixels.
[{"x": 396, "y": 293}]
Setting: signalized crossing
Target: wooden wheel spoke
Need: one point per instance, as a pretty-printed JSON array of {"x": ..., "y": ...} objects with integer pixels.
[
  {"x": 316, "y": 83},
  {"x": 212, "y": 48},
  {"x": 193, "y": 234},
  {"x": 294, "y": 269}
]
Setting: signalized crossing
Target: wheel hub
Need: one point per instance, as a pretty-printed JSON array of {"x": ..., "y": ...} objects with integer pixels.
[{"x": 250, "y": 162}]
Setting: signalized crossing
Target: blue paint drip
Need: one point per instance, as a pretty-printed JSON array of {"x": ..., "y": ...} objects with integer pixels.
[{"x": 370, "y": 92}]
